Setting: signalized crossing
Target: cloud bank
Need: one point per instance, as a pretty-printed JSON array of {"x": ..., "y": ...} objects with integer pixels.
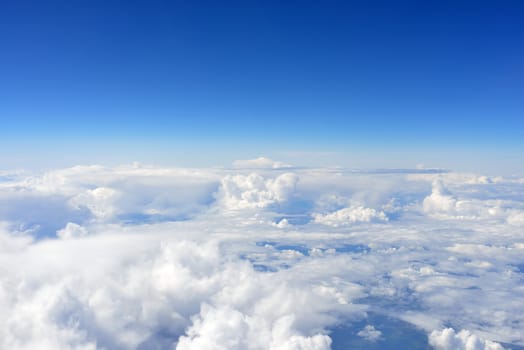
[{"x": 268, "y": 257}]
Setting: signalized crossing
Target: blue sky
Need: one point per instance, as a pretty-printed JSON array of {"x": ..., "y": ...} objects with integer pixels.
[{"x": 96, "y": 81}]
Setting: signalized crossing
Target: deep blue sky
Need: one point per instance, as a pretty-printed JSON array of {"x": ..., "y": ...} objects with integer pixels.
[{"x": 261, "y": 75}]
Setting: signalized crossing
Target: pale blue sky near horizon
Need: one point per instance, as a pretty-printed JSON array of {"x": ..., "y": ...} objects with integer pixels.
[{"x": 353, "y": 83}]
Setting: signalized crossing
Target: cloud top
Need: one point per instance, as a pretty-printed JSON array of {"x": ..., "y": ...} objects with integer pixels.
[{"x": 141, "y": 257}]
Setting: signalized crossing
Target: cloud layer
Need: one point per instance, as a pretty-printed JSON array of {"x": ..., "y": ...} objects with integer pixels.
[{"x": 258, "y": 257}]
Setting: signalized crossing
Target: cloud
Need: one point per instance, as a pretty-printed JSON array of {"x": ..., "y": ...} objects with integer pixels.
[
  {"x": 143, "y": 257},
  {"x": 283, "y": 223},
  {"x": 440, "y": 199},
  {"x": 370, "y": 333},
  {"x": 107, "y": 291},
  {"x": 348, "y": 216},
  {"x": 259, "y": 163},
  {"x": 225, "y": 328},
  {"x": 82, "y": 194},
  {"x": 442, "y": 204},
  {"x": 254, "y": 191},
  {"x": 447, "y": 339},
  {"x": 71, "y": 230},
  {"x": 99, "y": 201},
  {"x": 516, "y": 217}
]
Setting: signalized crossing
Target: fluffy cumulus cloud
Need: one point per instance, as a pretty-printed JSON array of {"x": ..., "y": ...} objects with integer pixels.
[
  {"x": 442, "y": 204},
  {"x": 260, "y": 257},
  {"x": 71, "y": 230},
  {"x": 181, "y": 294},
  {"x": 230, "y": 329},
  {"x": 99, "y": 201},
  {"x": 254, "y": 191},
  {"x": 447, "y": 339},
  {"x": 347, "y": 216}
]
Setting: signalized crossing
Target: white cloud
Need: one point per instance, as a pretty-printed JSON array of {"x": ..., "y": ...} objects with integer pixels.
[
  {"x": 440, "y": 200},
  {"x": 370, "y": 333},
  {"x": 255, "y": 191},
  {"x": 126, "y": 292},
  {"x": 442, "y": 204},
  {"x": 283, "y": 338},
  {"x": 71, "y": 230},
  {"x": 283, "y": 223},
  {"x": 516, "y": 217},
  {"x": 260, "y": 163},
  {"x": 225, "y": 328},
  {"x": 351, "y": 215},
  {"x": 447, "y": 339},
  {"x": 100, "y": 201},
  {"x": 196, "y": 258},
  {"x": 216, "y": 329}
]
